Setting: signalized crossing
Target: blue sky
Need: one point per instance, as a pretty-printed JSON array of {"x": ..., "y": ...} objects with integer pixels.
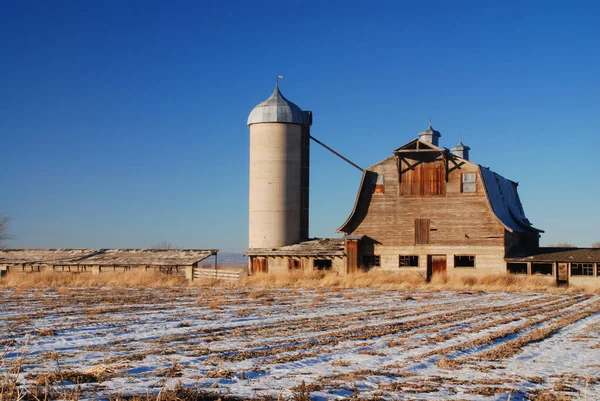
[{"x": 124, "y": 123}]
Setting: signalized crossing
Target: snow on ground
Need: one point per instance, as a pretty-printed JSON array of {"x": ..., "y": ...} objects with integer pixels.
[{"x": 325, "y": 343}]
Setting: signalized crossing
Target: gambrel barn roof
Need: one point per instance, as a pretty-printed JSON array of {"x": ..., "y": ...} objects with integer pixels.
[
  {"x": 504, "y": 200},
  {"x": 501, "y": 193},
  {"x": 107, "y": 257}
]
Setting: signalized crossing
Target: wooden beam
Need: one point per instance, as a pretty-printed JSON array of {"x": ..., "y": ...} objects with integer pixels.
[{"x": 418, "y": 151}]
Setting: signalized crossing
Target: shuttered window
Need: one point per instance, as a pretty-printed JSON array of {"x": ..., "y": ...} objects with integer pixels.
[
  {"x": 422, "y": 231},
  {"x": 469, "y": 182}
]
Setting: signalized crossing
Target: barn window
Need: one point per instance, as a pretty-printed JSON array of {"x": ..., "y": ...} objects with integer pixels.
[
  {"x": 517, "y": 268},
  {"x": 409, "y": 261},
  {"x": 464, "y": 261},
  {"x": 582, "y": 269},
  {"x": 542, "y": 268},
  {"x": 379, "y": 187},
  {"x": 598, "y": 270},
  {"x": 469, "y": 182},
  {"x": 371, "y": 260},
  {"x": 322, "y": 264}
]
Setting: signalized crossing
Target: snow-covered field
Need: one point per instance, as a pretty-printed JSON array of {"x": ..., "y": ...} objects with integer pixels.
[{"x": 327, "y": 344}]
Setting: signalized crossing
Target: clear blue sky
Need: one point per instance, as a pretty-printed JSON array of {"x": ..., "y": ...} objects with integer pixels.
[{"x": 123, "y": 123}]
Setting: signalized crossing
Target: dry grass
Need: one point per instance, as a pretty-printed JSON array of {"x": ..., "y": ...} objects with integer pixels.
[
  {"x": 407, "y": 281},
  {"x": 46, "y": 280},
  {"x": 403, "y": 281}
]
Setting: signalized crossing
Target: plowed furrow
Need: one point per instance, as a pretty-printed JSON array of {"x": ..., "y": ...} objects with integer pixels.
[{"x": 499, "y": 335}]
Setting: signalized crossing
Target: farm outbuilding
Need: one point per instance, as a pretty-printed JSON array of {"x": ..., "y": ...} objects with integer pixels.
[
  {"x": 579, "y": 266},
  {"x": 424, "y": 209},
  {"x": 316, "y": 254},
  {"x": 96, "y": 261}
]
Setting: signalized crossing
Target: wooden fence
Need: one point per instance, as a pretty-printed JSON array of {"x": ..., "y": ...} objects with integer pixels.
[{"x": 226, "y": 274}]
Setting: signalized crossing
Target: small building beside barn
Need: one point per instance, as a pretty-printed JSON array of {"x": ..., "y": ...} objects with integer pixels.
[{"x": 97, "y": 261}]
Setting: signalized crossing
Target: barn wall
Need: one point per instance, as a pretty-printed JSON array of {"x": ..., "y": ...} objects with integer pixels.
[
  {"x": 488, "y": 259},
  {"x": 455, "y": 218},
  {"x": 281, "y": 264},
  {"x": 516, "y": 242}
]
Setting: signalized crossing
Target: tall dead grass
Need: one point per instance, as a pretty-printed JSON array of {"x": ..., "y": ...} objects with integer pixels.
[
  {"x": 403, "y": 281},
  {"x": 409, "y": 281},
  {"x": 61, "y": 280}
]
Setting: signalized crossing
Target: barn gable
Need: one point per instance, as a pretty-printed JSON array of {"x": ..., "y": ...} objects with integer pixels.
[{"x": 424, "y": 170}]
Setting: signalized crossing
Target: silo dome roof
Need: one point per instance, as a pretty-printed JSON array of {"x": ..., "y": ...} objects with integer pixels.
[{"x": 276, "y": 109}]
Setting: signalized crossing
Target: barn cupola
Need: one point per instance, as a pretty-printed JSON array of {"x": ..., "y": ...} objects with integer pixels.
[
  {"x": 430, "y": 135},
  {"x": 461, "y": 151}
]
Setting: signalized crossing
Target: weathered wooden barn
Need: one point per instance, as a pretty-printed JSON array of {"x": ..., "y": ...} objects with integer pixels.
[
  {"x": 96, "y": 261},
  {"x": 428, "y": 209},
  {"x": 424, "y": 209}
]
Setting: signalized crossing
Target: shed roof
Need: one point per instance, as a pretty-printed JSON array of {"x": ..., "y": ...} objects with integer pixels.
[
  {"x": 161, "y": 257},
  {"x": 572, "y": 255},
  {"x": 313, "y": 247}
]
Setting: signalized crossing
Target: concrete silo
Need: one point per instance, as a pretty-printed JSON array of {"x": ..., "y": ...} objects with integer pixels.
[{"x": 279, "y": 172}]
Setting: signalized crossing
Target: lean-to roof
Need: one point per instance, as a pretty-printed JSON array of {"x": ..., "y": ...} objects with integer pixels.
[
  {"x": 315, "y": 247},
  {"x": 569, "y": 255},
  {"x": 160, "y": 257}
]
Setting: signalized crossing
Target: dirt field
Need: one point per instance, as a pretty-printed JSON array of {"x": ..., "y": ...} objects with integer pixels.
[{"x": 290, "y": 344}]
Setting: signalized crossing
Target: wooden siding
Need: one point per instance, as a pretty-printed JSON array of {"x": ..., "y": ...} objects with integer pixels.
[
  {"x": 424, "y": 179},
  {"x": 455, "y": 218}
]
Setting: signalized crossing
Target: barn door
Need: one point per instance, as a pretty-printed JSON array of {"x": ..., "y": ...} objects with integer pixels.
[
  {"x": 352, "y": 256},
  {"x": 436, "y": 264},
  {"x": 422, "y": 231},
  {"x": 562, "y": 274}
]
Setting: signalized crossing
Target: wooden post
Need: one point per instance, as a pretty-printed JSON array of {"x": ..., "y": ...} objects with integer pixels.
[
  {"x": 216, "y": 274},
  {"x": 529, "y": 268},
  {"x": 189, "y": 273}
]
